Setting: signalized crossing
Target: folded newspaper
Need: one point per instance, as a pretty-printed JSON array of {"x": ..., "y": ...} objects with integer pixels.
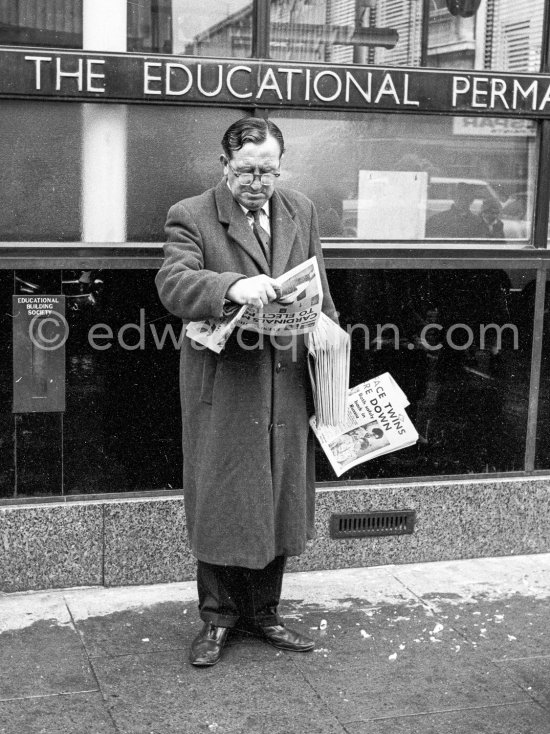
[
  {"x": 296, "y": 310},
  {"x": 376, "y": 424}
]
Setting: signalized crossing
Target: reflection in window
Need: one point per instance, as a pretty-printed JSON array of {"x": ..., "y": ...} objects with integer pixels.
[
  {"x": 41, "y": 23},
  {"x": 344, "y": 31},
  {"x": 173, "y": 153},
  {"x": 504, "y": 35},
  {"x": 458, "y": 344},
  {"x": 40, "y": 175},
  {"x": 211, "y": 29},
  {"x": 385, "y": 177},
  {"x": 150, "y": 26}
]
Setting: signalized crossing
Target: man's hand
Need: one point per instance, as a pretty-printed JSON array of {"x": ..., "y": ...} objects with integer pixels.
[{"x": 257, "y": 291}]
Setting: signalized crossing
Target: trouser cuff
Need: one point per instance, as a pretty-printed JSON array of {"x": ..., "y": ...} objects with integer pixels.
[{"x": 219, "y": 620}]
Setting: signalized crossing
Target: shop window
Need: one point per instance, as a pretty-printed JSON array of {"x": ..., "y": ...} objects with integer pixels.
[
  {"x": 7, "y": 442},
  {"x": 150, "y": 26},
  {"x": 120, "y": 429},
  {"x": 172, "y": 153},
  {"x": 426, "y": 179},
  {"x": 503, "y": 35},
  {"x": 56, "y": 23},
  {"x": 40, "y": 176},
  {"x": 459, "y": 344},
  {"x": 212, "y": 29},
  {"x": 542, "y": 457},
  {"x": 345, "y": 31}
]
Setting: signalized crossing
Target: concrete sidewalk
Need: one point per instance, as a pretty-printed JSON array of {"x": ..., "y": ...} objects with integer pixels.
[{"x": 448, "y": 648}]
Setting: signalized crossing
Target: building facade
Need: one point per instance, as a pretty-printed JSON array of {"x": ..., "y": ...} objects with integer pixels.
[{"x": 394, "y": 113}]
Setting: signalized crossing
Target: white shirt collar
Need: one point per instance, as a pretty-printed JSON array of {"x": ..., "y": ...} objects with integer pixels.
[{"x": 265, "y": 207}]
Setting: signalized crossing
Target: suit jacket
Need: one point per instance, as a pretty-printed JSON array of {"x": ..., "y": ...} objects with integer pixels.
[{"x": 248, "y": 450}]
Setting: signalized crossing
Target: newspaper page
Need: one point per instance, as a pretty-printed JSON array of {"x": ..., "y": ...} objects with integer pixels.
[
  {"x": 213, "y": 333},
  {"x": 296, "y": 310},
  {"x": 376, "y": 424}
]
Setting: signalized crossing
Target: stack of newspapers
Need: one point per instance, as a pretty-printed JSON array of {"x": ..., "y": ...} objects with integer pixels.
[
  {"x": 329, "y": 356},
  {"x": 352, "y": 425},
  {"x": 376, "y": 424}
]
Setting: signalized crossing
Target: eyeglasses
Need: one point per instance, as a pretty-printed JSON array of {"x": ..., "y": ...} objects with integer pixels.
[{"x": 246, "y": 177}]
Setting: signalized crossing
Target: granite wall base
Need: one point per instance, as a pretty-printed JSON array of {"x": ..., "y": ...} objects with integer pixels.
[{"x": 143, "y": 540}]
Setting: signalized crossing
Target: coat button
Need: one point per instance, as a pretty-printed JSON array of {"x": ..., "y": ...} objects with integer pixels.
[{"x": 278, "y": 367}]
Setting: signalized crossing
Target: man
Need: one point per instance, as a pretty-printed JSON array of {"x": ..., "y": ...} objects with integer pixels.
[
  {"x": 458, "y": 222},
  {"x": 248, "y": 452},
  {"x": 490, "y": 214}
]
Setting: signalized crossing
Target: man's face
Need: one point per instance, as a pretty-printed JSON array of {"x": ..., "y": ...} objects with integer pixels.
[{"x": 253, "y": 158}]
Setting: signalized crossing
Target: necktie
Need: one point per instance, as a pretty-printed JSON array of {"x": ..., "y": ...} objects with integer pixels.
[{"x": 261, "y": 235}]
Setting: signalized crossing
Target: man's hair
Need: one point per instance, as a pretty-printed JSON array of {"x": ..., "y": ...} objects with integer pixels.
[{"x": 250, "y": 130}]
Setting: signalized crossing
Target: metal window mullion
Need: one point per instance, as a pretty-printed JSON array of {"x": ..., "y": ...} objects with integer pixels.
[
  {"x": 534, "y": 378},
  {"x": 260, "y": 29},
  {"x": 542, "y": 193}
]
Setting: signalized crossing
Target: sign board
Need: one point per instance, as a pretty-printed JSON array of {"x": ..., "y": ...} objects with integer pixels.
[
  {"x": 392, "y": 205},
  {"x": 39, "y": 335},
  {"x": 494, "y": 127},
  {"x": 87, "y": 76}
]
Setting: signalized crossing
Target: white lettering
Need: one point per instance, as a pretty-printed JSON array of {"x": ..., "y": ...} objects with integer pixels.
[
  {"x": 366, "y": 93},
  {"x": 308, "y": 84},
  {"x": 90, "y": 75},
  {"x": 498, "y": 89},
  {"x": 199, "y": 82},
  {"x": 532, "y": 89},
  {"x": 289, "y": 79},
  {"x": 148, "y": 77},
  {"x": 406, "y": 99},
  {"x": 545, "y": 99},
  {"x": 232, "y": 71},
  {"x": 171, "y": 68},
  {"x": 464, "y": 87},
  {"x": 387, "y": 87},
  {"x": 334, "y": 76},
  {"x": 269, "y": 82},
  {"x": 477, "y": 92},
  {"x": 37, "y": 75},
  {"x": 68, "y": 74}
]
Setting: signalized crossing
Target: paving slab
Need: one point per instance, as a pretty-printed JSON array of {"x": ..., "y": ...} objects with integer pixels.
[
  {"x": 511, "y": 627},
  {"x": 533, "y": 674},
  {"x": 524, "y": 718},
  {"x": 43, "y": 659},
  {"x": 256, "y": 689},
  {"x": 488, "y": 578},
  {"x": 137, "y": 631},
  {"x": 82, "y": 713},
  {"x": 391, "y": 661}
]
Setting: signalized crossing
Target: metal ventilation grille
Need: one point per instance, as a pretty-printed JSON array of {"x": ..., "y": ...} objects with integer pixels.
[{"x": 369, "y": 524}]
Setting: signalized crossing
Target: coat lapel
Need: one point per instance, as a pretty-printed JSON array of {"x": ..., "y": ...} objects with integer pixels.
[
  {"x": 283, "y": 233},
  {"x": 238, "y": 228}
]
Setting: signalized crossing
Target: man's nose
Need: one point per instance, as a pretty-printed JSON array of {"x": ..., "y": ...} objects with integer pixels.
[{"x": 256, "y": 183}]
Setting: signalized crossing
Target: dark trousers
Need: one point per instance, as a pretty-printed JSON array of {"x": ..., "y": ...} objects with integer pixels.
[{"x": 231, "y": 594}]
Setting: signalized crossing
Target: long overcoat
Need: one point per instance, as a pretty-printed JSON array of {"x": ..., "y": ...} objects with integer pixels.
[{"x": 248, "y": 472}]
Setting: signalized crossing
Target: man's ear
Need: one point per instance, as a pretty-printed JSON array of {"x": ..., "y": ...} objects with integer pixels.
[{"x": 223, "y": 160}]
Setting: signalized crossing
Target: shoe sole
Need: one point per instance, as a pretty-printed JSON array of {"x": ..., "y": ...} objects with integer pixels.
[{"x": 288, "y": 648}]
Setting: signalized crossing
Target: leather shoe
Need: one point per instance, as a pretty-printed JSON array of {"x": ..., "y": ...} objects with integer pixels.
[
  {"x": 286, "y": 639},
  {"x": 206, "y": 648}
]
